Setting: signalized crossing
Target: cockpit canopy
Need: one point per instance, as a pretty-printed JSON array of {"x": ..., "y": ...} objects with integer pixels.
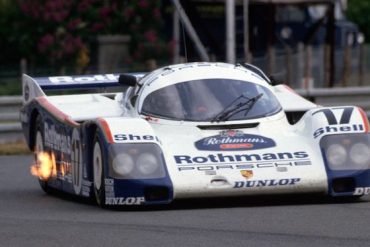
[{"x": 211, "y": 100}]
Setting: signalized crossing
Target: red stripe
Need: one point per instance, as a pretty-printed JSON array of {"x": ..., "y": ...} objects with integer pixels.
[
  {"x": 364, "y": 118},
  {"x": 106, "y": 130},
  {"x": 294, "y": 92},
  {"x": 290, "y": 89},
  {"x": 55, "y": 111}
]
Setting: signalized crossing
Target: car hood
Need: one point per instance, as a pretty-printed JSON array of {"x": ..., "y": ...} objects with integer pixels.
[{"x": 203, "y": 161}]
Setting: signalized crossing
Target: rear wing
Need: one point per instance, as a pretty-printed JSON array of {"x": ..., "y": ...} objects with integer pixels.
[{"x": 33, "y": 87}]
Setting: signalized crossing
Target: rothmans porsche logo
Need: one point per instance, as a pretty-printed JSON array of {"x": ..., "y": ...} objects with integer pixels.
[
  {"x": 231, "y": 140},
  {"x": 247, "y": 173},
  {"x": 231, "y": 133}
]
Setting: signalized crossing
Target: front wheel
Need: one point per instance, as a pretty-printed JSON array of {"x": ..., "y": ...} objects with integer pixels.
[{"x": 98, "y": 172}]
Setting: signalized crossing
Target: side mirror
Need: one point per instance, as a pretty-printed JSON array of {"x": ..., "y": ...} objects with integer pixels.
[{"x": 127, "y": 80}]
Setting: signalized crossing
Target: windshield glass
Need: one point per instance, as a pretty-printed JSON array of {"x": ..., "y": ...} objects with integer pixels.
[{"x": 204, "y": 100}]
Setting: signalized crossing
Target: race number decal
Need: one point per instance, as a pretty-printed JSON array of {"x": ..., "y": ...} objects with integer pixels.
[
  {"x": 332, "y": 120},
  {"x": 76, "y": 162},
  {"x": 339, "y": 121}
]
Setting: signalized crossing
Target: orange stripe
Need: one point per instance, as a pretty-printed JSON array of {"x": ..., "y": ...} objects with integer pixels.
[
  {"x": 55, "y": 111},
  {"x": 364, "y": 118},
  {"x": 106, "y": 130}
]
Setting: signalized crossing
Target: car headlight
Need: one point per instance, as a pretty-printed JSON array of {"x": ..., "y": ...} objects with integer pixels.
[
  {"x": 136, "y": 161},
  {"x": 336, "y": 154},
  {"x": 147, "y": 163},
  {"x": 347, "y": 151},
  {"x": 360, "y": 154},
  {"x": 123, "y": 164}
]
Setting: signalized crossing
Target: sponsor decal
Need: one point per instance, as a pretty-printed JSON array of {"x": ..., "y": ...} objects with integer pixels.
[
  {"x": 335, "y": 124},
  {"x": 247, "y": 173},
  {"x": 125, "y": 201},
  {"x": 346, "y": 113},
  {"x": 130, "y": 138},
  {"x": 359, "y": 191},
  {"x": 56, "y": 140},
  {"x": 232, "y": 140},
  {"x": 266, "y": 183},
  {"x": 221, "y": 158},
  {"x": 279, "y": 166},
  {"x": 86, "y": 188},
  {"x": 109, "y": 188},
  {"x": 82, "y": 79},
  {"x": 338, "y": 129},
  {"x": 214, "y": 162}
]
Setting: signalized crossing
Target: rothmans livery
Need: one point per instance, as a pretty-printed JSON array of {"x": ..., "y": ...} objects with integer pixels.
[{"x": 189, "y": 131}]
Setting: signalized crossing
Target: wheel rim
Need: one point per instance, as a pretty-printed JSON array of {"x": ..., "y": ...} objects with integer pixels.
[{"x": 98, "y": 166}]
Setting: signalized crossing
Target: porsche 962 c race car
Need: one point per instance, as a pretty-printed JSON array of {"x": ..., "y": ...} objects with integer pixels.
[{"x": 191, "y": 130}]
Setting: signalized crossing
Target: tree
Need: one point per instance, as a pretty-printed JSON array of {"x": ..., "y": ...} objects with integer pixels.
[{"x": 358, "y": 12}]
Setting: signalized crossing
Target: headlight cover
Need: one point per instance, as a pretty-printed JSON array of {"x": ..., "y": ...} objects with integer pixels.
[
  {"x": 123, "y": 164},
  {"x": 147, "y": 163},
  {"x": 347, "y": 152},
  {"x": 360, "y": 153},
  {"x": 336, "y": 154},
  {"x": 136, "y": 161}
]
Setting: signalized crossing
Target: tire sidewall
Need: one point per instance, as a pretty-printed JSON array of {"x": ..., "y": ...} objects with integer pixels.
[{"x": 99, "y": 192}]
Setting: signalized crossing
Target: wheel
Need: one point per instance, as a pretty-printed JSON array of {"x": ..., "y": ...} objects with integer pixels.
[
  {"x": 98, "y": 172},
  {"x": 39, "y": 147}
]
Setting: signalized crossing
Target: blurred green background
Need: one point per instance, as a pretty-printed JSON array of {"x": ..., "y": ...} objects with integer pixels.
[{"x": 56, "y": 37}]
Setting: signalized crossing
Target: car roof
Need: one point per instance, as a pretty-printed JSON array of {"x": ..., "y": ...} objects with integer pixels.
[{"x": 174, "y": 74}]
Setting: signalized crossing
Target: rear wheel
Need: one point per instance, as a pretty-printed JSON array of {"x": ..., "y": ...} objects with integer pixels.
[
  {"x": 98, "y": 172},
  {"x": 39, "y": 147}
]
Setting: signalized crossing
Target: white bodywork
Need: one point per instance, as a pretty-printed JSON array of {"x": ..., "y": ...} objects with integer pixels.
[{"x": 299, "y": 169}]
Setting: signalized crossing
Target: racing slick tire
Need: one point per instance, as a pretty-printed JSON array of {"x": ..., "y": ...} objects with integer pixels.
[
  {"x": 39, "y": 147},
  {"x": 98, "y": 171}
]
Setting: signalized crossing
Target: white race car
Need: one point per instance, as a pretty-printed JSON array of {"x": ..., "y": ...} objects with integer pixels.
[{"x": 191, "y": 130}]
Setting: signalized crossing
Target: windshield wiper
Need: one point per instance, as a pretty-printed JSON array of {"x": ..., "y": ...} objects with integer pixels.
[{"x": 246, "y": 106}]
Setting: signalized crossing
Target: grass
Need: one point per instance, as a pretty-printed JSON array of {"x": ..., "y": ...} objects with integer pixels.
[
  {"x": 11, "y": 86},
  {"x": 14, "y": 148}
]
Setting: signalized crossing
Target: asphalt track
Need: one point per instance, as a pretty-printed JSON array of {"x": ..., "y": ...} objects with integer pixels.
[{"x": 28, "y": 217}]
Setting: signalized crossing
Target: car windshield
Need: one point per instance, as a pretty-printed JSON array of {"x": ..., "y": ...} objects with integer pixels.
[{"x": 208, "y": 99}]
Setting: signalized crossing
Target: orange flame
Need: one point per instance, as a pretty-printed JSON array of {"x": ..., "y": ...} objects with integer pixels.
[
  {"x": 62, "y": 170},
  {"x": 45, "y": 166}
]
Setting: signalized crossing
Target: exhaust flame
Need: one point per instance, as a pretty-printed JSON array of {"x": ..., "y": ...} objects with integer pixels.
[{"x": 45, "y": 166}]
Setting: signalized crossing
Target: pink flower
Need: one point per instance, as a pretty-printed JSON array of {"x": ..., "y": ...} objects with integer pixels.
[
  {"x": 51, "y": 6},
  {"x": 129, "y": 12},
  {"x": 73, "y": 24},
  {"x": 104, "y": 12},
  {"x": 25, "y": 7},
  {"x": 156, "y": 13},
  {"x": 150, "y": 36},
  {"x": 70, "y": 44},
  {"x": 143, "y": 4},
  {"x": 83, "y": 6},
  {"x": 97, "y": 26},
  {"x": 47, "y": 16},
  {"x": 45, "y": 42}
]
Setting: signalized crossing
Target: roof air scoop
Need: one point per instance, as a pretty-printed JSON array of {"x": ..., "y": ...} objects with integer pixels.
[
  {"x": 256, "y": 70},
  {"x": 127, "y": 80}
]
